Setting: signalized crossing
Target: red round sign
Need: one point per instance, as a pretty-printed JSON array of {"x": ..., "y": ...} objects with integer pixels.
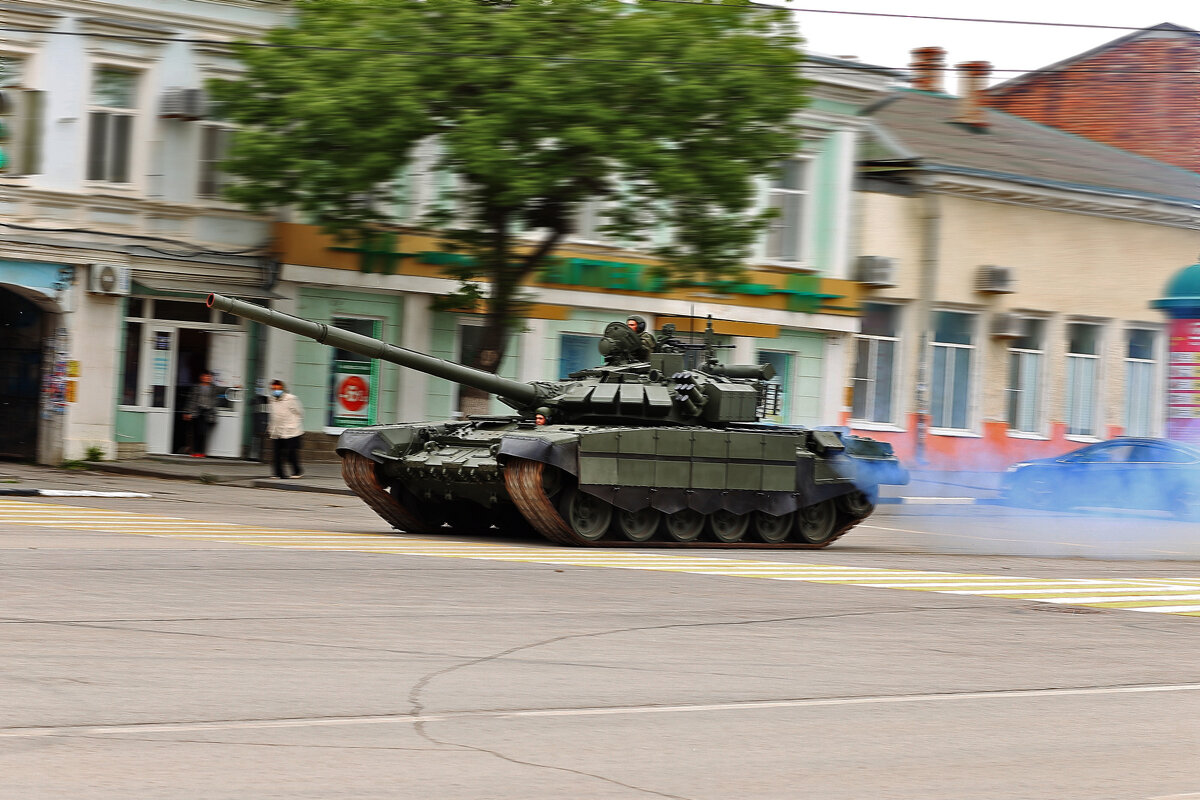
[{"x": 353, "y": 393}]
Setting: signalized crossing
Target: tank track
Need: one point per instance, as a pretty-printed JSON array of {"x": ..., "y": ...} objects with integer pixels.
[
  {"x": 359, "y": 474},
  {"x": 524, "y": 481}
]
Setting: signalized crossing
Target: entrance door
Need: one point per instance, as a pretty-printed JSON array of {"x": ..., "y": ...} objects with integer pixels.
[
  {"x": 159, "y": 379},
  {"x": 226, "y": 359},
  {"x": 20, "y": 375}
]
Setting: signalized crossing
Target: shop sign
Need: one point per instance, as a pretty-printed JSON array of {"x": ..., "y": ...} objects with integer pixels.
[
  {"x": 353, "y": 393},
  {"x": 1183, "y": 376},
  {"x": 379, "y": 254}
]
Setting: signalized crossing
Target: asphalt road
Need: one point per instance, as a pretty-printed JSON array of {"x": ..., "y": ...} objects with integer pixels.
[{"x": 215, "y": 642}]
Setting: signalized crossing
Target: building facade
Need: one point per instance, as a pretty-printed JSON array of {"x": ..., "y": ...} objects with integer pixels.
[
  {"x": 797, "y": 306},
  {"x": 113, "y": 232},
  {"x": 112, "y": 228},
  {"x": 1140, "y": 92},
  {"x": 1012, "y": 268}
]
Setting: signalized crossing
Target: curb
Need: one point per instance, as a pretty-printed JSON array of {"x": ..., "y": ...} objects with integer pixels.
[
  {"x": 146, "y": 472},
  {"x": 941, "y": 501},
  {"x": 275, "y": 483},
  {"x": 66, "y": 493}
]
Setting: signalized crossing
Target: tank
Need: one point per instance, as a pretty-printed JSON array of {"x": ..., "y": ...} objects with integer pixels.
[{"x": 660, "y": 445}]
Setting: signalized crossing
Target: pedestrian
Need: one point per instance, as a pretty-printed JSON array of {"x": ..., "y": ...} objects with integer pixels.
[
  {"x": 286, "y": 427},
  {"x": 201, "y": 412}
]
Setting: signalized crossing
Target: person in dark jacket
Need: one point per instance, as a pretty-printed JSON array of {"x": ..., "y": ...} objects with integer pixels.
[{"x": 201, "y": 412}]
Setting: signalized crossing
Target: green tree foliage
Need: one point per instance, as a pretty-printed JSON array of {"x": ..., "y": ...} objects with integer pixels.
[{"x": 669, "y": 111}]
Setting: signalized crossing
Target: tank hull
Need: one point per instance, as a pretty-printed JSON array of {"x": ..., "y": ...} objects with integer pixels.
[{"x": 752, "y": 485}]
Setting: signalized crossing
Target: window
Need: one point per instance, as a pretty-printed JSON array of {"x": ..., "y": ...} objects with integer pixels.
[
  {"x": 1141, "y": 385},
  {"x": 11, "y": 71},
  {"x": 1025, "y": 377},
  {"x": 21, "y": 114},
  {"x": 577, "y": 352},
  {"x": 110, "y": 125},
  {"x": 1104, "y": 454},
  {"x": 1155, "y": 454},
  {"x": 1083, "y": 357},
  {"x": 782, "y": 362},
  {"x": 788, "y": 197},
  {"x": 875, "y": 365},
  {"x": 185, "y": 310},
  {"x": 949, "y": 390},
  {"x": 214, "y": 146},
  {"x": 130, "y": 362}
]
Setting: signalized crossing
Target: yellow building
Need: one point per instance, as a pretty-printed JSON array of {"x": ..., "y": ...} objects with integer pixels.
[{"x": 1009, "y": 269}]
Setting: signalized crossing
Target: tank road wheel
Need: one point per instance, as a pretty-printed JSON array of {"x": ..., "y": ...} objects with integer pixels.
[
  {"x": 859, "y": 504},
  {"x": 772, "y": 530},
  {"x": 587, "y": 516},
  {"x": 728, "y": 527},
  {"x": 638, "y": 526},
  {"x": 815, "y": 524},
  {"x": 684, "y": 526}
]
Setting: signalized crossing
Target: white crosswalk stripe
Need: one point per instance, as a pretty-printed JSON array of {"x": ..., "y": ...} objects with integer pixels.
[{"x": 1149, "y": 595}]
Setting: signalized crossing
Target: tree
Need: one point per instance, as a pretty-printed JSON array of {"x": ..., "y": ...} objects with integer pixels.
[{"x": 667, "y": 110}]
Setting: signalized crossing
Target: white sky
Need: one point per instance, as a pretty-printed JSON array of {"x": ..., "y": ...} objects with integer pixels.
[{"x": 888, "y": 41}]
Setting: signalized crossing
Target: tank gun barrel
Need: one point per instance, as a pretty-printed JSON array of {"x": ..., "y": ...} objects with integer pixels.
[{"x": 523, "y": 393}]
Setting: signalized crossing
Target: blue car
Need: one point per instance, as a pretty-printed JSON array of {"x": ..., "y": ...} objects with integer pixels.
[{"x": 1132, "y": 473}]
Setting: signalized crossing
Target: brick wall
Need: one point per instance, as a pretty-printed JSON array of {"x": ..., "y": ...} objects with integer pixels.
[{"x": 1136, "y": 94}]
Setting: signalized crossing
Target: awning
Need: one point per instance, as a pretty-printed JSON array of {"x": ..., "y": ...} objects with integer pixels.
[{"x": 198, "y": 290}]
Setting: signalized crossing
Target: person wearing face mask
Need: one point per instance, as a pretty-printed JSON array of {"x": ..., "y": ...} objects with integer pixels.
[{"x": 286, "y": 427}]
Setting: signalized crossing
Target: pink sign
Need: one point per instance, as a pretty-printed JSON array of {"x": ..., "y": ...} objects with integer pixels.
[{"x": 1183, "y": 381}]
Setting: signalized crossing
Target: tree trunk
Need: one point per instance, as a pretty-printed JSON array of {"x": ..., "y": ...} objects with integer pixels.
[{"x": 502, "y": 307}]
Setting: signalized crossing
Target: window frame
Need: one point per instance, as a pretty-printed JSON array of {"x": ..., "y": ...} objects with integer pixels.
[
  {"x": 870, "y": 379},
  {"x": 101, "y": 159},
  {"x": 948, "y": 385},
  {"x": 591, "y": 337},
  {"x": 803, "y": 235},
  {"x": 1072, "y": 406},
  {"x": 783, "y": 379},
  {"x": 1154, "y": 400},
  {"x": 1015, "y": 395},
  {"x": 211, "y": 180}
]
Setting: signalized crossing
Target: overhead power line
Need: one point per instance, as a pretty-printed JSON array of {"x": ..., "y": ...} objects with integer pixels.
[
  {"x": 886, "y": 15},
  {"x": 809, "y": 64}
]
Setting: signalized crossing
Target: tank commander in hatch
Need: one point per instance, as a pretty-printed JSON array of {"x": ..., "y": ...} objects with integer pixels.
[{"x": 637, "y": 324}]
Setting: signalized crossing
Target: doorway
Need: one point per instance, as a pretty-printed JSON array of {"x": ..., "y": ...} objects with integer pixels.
[
  {"x": 21, "y": 334},
  {"x": 191, "y": 360},
  {"x": 172, "y": 357}
]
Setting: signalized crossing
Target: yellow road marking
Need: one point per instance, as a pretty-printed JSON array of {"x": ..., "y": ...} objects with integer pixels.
[{"x": 1153, "y": 595}]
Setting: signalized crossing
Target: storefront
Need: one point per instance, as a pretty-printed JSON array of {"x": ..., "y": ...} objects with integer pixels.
[
  {"x": 798, "y": 322},
  {"x": 169, "y": 337}
]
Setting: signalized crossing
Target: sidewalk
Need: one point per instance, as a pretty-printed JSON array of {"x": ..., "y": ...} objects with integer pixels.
[{"x": 318, "y": 477}]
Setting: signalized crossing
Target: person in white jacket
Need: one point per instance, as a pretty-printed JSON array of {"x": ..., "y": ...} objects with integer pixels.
[{"x": 285, "y": 426}]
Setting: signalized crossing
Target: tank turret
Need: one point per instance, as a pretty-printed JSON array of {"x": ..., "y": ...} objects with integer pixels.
[{"x": 660, "y": 444}]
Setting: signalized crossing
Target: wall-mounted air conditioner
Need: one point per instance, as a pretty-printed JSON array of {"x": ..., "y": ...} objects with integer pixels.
[
  {"x": 108, "y": 279},
  {"x": 183, "y": 104},
  {"x": 995, "y": 280},
  {"x": 877, "y": 271},
  {"x": 1007, "y": 325}
]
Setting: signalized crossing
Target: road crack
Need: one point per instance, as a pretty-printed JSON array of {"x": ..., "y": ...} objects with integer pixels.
[{"x": 422, "y": 684}]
